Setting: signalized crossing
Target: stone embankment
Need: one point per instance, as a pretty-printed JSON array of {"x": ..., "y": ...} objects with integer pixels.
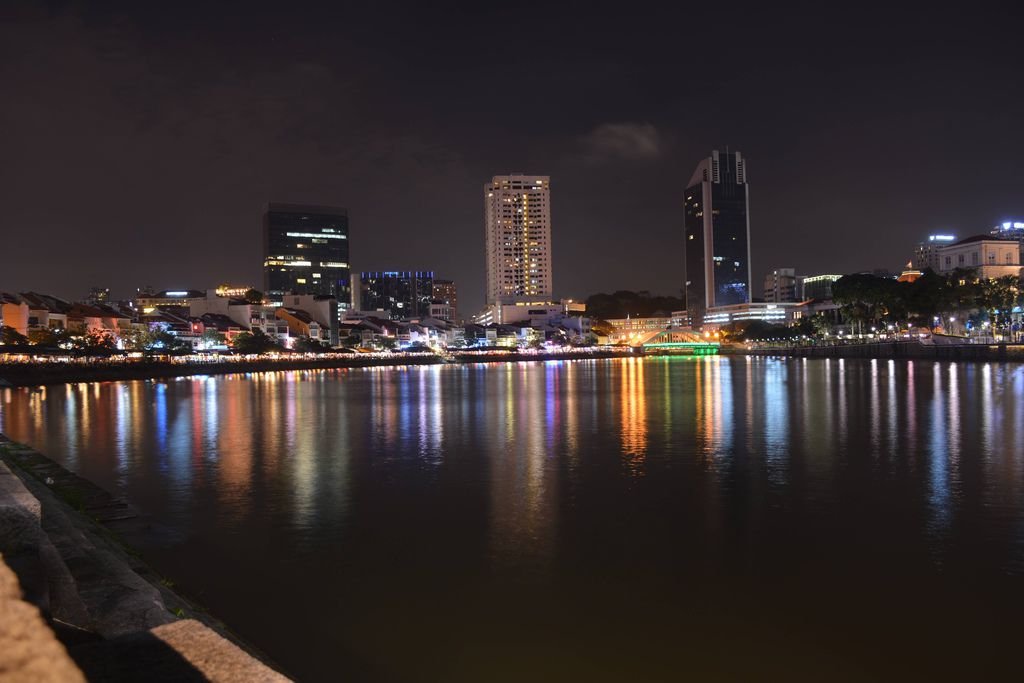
[
  {"x": 76, "y": 605},
  {"x": 899, "y": 349}
]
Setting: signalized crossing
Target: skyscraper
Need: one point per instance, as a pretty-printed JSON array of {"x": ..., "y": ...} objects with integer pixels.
[
  {"x": 518, "y": 238},
  {"x": 716, "y": 223},
  {"x": 305, "y": 251}
]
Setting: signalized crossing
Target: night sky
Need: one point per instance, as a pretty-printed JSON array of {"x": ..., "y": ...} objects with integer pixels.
[{"x": 139, "y": 144}]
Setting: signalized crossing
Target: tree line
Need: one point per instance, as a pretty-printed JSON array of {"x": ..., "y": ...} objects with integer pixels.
[{"x": 866, "y": 299}]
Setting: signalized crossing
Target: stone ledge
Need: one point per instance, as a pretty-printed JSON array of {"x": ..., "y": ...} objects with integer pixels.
[
  {"x": 29, "y": 651},
  {"x": 216, "y": 658},
  {"x": 120, "y": 628},
  {"x": 13, "y": 492}
]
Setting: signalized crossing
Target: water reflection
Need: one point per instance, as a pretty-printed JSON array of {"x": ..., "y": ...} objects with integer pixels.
[
  {"x": 633, "y": 420},
  {"x": 380, "y": 477}
]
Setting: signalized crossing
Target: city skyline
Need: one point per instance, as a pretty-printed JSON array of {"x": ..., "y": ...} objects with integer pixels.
[{"x": 168, "y": 147}]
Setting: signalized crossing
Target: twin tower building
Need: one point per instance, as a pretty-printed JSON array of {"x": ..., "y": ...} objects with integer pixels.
[
  {"x": 306, "y": 247},
  {"x": 716, "y": 223}
]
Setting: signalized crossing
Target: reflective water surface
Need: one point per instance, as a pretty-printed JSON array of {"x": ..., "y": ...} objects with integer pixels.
[{"x": 624, "y": 520}]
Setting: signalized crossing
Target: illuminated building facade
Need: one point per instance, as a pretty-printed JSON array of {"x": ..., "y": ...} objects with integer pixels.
[
  {"x": 776, "y": 314},
  {"x": 517, "y": 212},
  {"x": 1009, "y": 230},
  {"x": 447, "y": 294},
  {"x": 406, "y": 294},
  {"x": 233, "y": 290},
  {"x": 716, "y": 223},
  {"x": 168, "y": 298},
  {"x": 782, "y": 284},
  {"x": 987, "y": 257},
  {"x": 818, "y": 286},
  {"x": 926, "y": 254},
  {"x": 305, "y": 251}
]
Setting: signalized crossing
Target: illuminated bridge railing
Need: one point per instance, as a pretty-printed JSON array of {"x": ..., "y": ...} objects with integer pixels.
[{"x": 691, "y": 348}]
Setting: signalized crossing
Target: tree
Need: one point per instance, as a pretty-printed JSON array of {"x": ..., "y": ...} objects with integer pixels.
[
  {"x": 253, "y": 342},
  {"x": 254, "y": 296},
  {"x": 820, "y": 324},
  {"x": 352, "y": 341},
  {"x": 9, "y": 335},
  {"x": 635, "y": 304},
  {"x": 309, "y": 345},
  {"x": 94, "y": 343},
  {"x": 169, "y": 344},
  {"x": 49, "y": 337},
  {"x": 866, "y": 298},
  {"x": 963, "y": 292},
  {"x": 213, "y": 337},
  {"x": 804, "y": 326},
  {"x": 157, "y": 341},
  {"x": 926, "y": 298},
  {"x": 997, "y": 298},
  {"x": 136, "y": 339}
]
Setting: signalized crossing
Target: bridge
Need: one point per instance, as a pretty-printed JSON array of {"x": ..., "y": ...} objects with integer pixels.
[{"x": 674, "y": 341}]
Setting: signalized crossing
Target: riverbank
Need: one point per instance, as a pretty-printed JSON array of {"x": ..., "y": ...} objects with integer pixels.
[
  {"x": 78, "y": 604},
  {"x": 28, "y": 373},
  {"x": 905, "y": 349}
]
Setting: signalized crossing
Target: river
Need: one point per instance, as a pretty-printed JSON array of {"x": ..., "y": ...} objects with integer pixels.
[{"x": 595, "y": 520}]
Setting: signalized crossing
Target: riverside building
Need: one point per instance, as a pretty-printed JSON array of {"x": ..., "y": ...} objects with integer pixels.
[
  {"x": 305, "y": 251},
  {"x": 988, "y": 257},
  {"x": 716, "y": 223}
]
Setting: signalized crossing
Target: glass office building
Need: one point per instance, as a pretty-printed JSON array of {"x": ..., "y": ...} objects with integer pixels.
[
  {"x": 716, "y": 222},
  {"x": 406, "y": 294},
  {"x": 305, "y": 251}
]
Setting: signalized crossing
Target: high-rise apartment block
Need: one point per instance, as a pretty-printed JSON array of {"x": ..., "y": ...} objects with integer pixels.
[
  {"x": 305, "y": 251},
  {"x": 517, "y": 212},
  {"x": 717, "y": 235}
]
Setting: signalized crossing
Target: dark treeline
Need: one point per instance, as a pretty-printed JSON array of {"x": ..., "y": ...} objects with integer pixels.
[
  {"x": 871, "y": 300},
  {"x": 634, "y": 304}
]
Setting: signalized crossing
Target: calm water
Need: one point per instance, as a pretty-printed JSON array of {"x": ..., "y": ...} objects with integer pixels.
[{"x": 622, "y": 520}]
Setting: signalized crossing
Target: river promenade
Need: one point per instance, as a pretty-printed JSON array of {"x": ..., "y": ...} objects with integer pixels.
[
  {"x": 28, "y": 371},
  {"x": 904, "y": 348}
]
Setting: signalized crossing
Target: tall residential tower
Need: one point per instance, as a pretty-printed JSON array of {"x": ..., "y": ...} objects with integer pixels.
[
  {"x": 518, "y": 239},
  {"x": 305, "y": 251},
  {"x": 716, "y": 222}
]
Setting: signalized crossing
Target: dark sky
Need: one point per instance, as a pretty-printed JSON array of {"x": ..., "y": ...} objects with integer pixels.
[{"x": 140, "y": 141}]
